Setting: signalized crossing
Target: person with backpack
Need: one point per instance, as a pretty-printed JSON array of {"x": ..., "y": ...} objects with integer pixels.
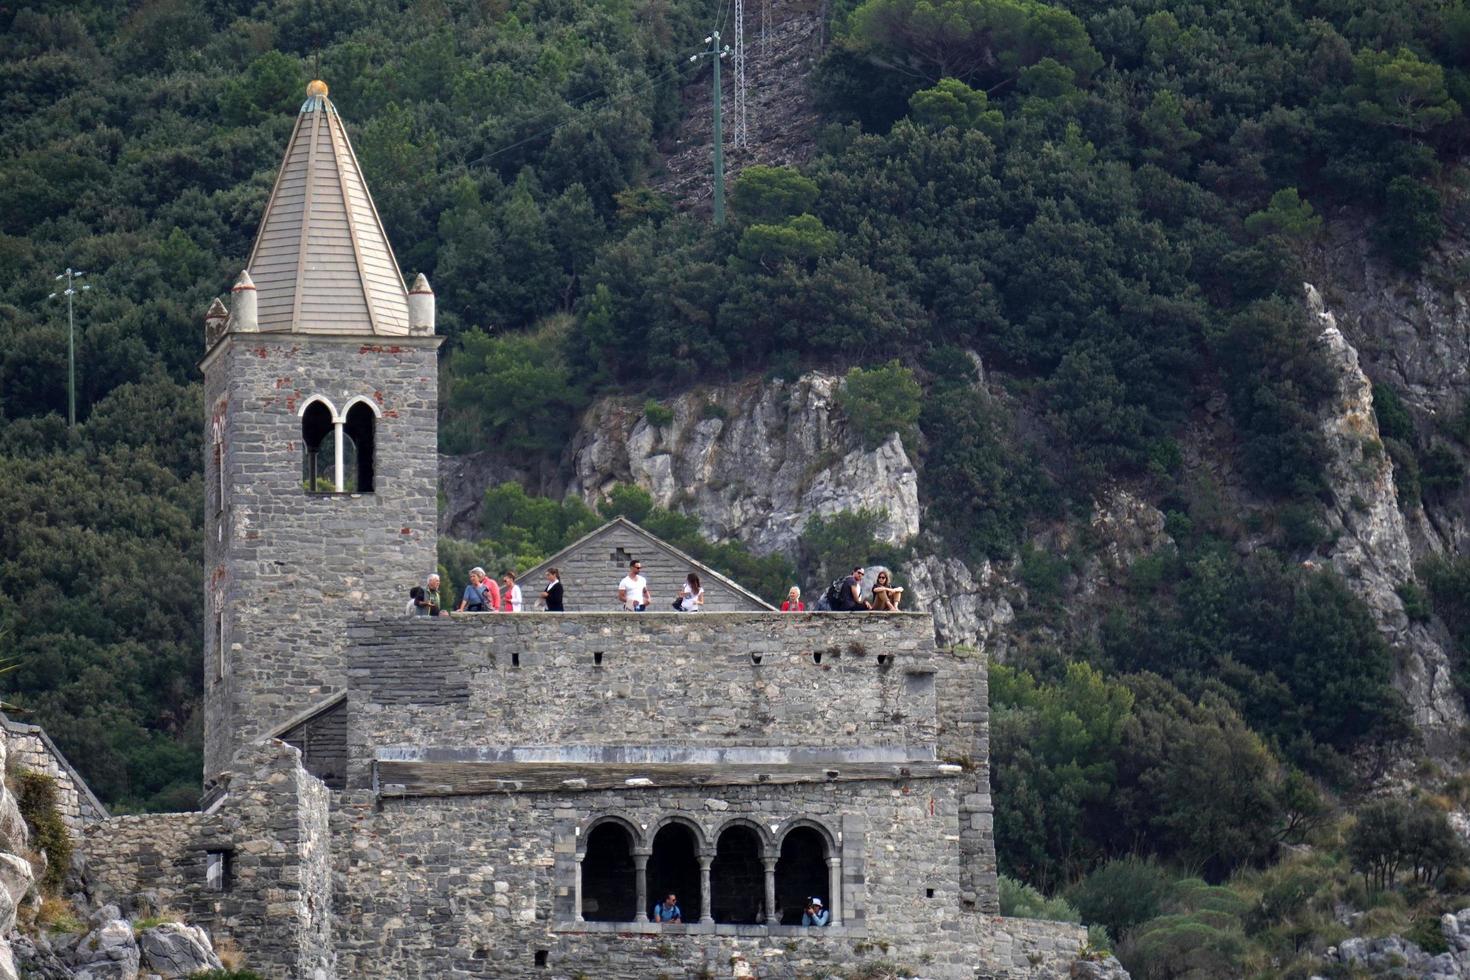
[{"x": 847, "y": 595}]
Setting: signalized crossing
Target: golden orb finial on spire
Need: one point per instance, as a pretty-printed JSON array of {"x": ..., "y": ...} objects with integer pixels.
[{"x": 316, "y": 87}]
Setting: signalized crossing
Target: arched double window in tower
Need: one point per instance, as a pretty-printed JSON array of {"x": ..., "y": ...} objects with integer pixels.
[
  {"x": 608, "y": 879},
  {"x": 338, "y": 451}
]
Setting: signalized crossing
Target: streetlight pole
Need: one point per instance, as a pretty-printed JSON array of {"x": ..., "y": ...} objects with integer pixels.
[
  {"x": 71, "y": 276},
  {"x": 716, "y": 52}
]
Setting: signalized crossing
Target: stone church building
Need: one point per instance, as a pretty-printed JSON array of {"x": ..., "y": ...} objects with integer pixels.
[{"x": 509, "y": 795}]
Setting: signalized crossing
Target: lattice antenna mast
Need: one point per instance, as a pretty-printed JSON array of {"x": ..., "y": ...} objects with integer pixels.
[{"x": 739, "y": 134}]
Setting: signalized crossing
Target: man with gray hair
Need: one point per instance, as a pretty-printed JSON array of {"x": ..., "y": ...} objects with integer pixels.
[{"x": 431, "y": 605}]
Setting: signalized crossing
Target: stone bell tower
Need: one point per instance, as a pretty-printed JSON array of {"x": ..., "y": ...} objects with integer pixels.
[{"x": 320, "y": 442}]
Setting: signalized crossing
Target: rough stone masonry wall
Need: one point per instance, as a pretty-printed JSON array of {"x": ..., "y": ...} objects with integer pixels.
[
  {"x": 274, "y": 825},
  {"x": 288, "y": 567},
  {"x": 28, "y": 747},
  {"x": 964, "y": 738},
  {"x": 475, "y": 886},
  {"x": 670, "y": 680}
]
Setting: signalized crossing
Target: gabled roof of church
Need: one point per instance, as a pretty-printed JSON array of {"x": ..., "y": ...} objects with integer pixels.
[
  {"x": 321, "y": 261},
  {"x": 677, "y": 564}
]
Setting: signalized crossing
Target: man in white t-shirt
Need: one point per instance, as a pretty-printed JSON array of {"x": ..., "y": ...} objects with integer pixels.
[
  {"x": 633, "y": 589},
  {"x": 510, "y": 593}
]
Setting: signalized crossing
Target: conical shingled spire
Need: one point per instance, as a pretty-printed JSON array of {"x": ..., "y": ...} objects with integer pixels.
[{"x": 322, "y": 262}]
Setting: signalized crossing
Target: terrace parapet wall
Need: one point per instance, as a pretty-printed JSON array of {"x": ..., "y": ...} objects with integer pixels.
[{"x": 837, "y": 687}]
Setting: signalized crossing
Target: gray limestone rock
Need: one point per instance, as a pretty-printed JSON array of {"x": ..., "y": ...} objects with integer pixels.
[
  {"x": 969, "y": 608},
  {"x": 753, "y": 461},
  {"x": 35, "y": 959},
  {"x": 105, "y": 913},
  {"x": 108, "y": 952},
  {"x": 1107, "y": 968},
  {"x": 13, "y": 833},
  {"x": 175, "y": 950},
  {"x": 1371, "y": 544},
  {"x": 16, "y": 878}
]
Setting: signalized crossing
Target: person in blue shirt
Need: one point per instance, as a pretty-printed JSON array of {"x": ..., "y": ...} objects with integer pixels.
[
  {"x": 668, "y": 910},
  {"x": 815, "y": 915}
]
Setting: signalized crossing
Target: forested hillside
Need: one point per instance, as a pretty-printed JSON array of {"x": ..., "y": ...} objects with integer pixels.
[{"x": 1110, "y": 204}]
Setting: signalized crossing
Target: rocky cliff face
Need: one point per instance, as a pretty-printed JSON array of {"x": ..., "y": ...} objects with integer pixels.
[
  {"x": 1413, "y": 332},
  {"x": 16, "y": 876},
  {"x": 753, "y": 461},
  {"x": 1371, "y": 547}
]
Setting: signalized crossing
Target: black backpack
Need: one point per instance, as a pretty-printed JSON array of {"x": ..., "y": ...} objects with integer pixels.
[{"x": 837, "y": 598}]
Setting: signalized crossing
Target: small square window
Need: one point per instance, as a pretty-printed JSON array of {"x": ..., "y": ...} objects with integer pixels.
[{"x": 219, "y": 871}]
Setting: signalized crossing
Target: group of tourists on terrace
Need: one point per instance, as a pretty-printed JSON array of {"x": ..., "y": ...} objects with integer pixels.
[{"x": 485, "y": 594}]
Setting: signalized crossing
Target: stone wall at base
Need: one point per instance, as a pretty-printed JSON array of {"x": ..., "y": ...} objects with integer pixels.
[
  {"x": 255, "y": 870},
  {"x": 480, "y": 885},
  {"x": 29, "y": 747},
  {"x": 1036, "y": 949}
]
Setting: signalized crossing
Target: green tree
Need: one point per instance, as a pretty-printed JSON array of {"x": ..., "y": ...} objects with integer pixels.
[
  {"x": 1053, "y": 749},
  {"x": 880, "y": 401},
  {"x": 1411, "y": 222},
  {"x": 953, "y": 103},
  {"x": 1400, "y": 90},
  {"x": 830, "y": 545},
  {"x": 1288, "y": 216},
  {"x": 1193, "y": 781},
  {"x": 511, "y": 393},
  {"x": 1122, "y": 893},
  {"x": 798, "y": 241},
  {"x": 769, "y": 195},
  {"x": 970, "y": 40}
]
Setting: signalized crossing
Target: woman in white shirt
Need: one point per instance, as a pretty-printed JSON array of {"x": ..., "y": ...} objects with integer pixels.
[
  {"x": 691, "y": 597},
  {"x": 510, "y": 593}
]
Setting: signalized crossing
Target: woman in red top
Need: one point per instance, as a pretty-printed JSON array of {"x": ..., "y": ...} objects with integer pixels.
[{"x": 793, "y": 601}]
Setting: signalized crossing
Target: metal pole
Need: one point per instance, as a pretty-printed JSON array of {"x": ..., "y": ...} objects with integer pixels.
[
  {"x": 71, "y": 276},
  {"x": 71, "y": 357},
  {"x": 719, "y": 142}
]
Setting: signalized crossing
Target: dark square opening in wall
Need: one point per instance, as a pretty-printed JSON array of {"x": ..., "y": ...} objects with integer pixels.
[
  {"x": 541, "y": 956},
  {"x": 597, "y": 658},
  {"x": 515, "y": 660},
  {"x": 928, "y": 893},
  {"x": 219, "y": 870}
]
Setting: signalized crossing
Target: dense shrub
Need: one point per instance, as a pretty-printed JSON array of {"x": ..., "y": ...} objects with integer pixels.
[
  {"x": 1394, "y": 836},
  {"x": 880, "y": 401},
  {"x": 1020, "y": 900},
  {"x": 831, "y": 546},
  {"x": 1121, "y": 894},
  {"x": 36, "y": 798}
]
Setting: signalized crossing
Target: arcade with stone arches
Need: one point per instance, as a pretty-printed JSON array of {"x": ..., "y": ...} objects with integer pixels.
[{"x": 739, "y": 872}]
